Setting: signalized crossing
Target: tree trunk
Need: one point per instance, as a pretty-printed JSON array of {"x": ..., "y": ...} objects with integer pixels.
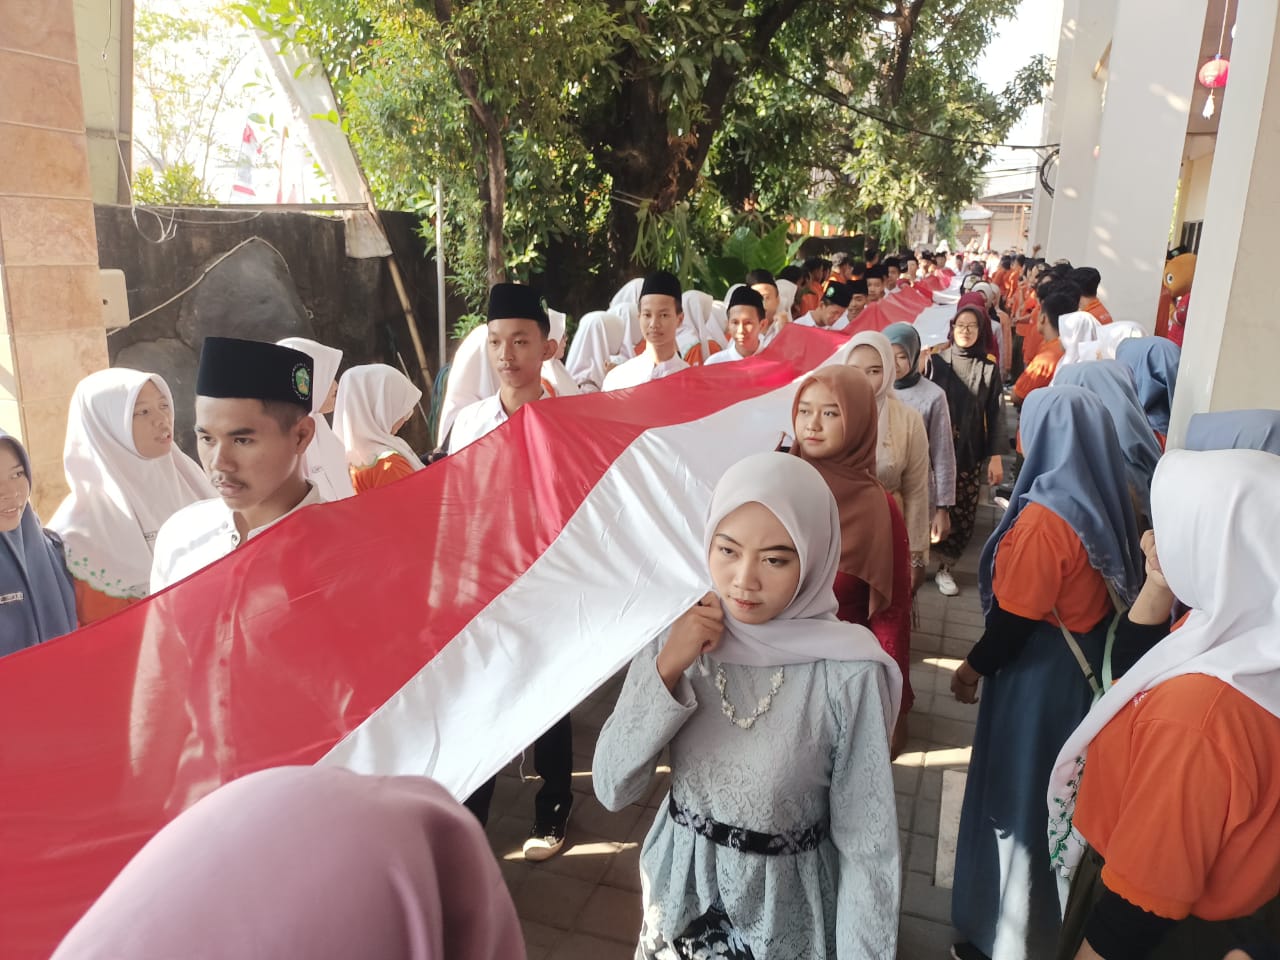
[
  {"x": 646, "y": 163},
  {"x": 496, "y": 205}
]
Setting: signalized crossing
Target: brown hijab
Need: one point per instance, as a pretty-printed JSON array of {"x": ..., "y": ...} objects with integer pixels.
[{"x": 866, "y": 528}]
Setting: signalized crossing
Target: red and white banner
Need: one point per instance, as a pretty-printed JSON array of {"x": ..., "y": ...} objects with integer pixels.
[
  {"x": 435, "y": 627},
  {"x": 250, "y": 157}
]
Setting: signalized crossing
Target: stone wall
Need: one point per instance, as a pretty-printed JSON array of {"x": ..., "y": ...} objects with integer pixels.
[{"x": 292, "y": 278}]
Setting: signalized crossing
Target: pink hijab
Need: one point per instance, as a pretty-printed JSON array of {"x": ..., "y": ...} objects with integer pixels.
[{"x": 313, "y": 862}]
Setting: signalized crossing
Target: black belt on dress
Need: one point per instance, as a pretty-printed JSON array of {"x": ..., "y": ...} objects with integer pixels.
[{"x": 748, "y": 841}]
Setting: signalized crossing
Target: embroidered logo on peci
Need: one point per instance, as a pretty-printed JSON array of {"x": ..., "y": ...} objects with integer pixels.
[{"x": 302, "y": 382}]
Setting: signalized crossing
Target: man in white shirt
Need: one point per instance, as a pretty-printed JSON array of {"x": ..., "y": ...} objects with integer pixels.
[
  {"x": 829, "y": 313},
  {"x": 660, "y": 315},
  {"x": 875, "y": 281},
  {"x": 253, "y": 424},
  {"x": 519, "y": 343},
  {"x": 747, "y": 314},
  {"x": 858, "y": 296},
  {"x": 892, "y": 274}
]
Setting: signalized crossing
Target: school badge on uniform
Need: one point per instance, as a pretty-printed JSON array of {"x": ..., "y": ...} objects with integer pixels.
[{"x": 302, "y": 381}]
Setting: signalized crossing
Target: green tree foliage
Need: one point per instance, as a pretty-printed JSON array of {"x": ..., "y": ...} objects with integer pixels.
[
  {"x": 177, "y": 185},
  {"x": 582, "y": 140}
]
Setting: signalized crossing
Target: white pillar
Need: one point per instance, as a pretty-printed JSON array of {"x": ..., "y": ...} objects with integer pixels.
[
  {"x": 1050, "y": 132},
  {"x": 1086, "y": 30},
  {"x": 1154, "y": 57},
  {"x": 1232, "y": 336}
]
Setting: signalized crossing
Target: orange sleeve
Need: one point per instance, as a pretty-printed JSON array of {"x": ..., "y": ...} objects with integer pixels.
[
  {"x": 1100, "y": 313},
  {"x": 387, "y": 470},
  {"x": 1164, "y": 840},
  {"x": 1039, "y": 373},
  {"x": 1029, "y": 571},
  {"x": 1042, "y": 565},
  {"x": 94, "y": 605}
]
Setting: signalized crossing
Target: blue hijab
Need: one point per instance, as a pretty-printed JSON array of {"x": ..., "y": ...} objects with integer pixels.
[
  {"x": 1110, "y": 382},
  {"x": 1074, "y": 467},
  {"x": 1153, "y": 361},
  {"x": 1235, "y": 430},
  {"x": 37, "y": 600}
]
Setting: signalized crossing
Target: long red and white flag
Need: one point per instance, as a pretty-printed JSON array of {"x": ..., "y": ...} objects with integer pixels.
[{"x": 435, "y": 627}]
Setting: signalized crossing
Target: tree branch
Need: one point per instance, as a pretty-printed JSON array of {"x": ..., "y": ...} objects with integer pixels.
[{"x": 902, "y": 55}]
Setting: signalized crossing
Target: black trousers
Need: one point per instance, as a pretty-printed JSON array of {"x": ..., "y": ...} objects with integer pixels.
[{"x": 553, "y": 762}]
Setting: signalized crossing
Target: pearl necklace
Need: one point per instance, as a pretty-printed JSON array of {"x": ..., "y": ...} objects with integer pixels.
[{"x": 746, "y": 723}]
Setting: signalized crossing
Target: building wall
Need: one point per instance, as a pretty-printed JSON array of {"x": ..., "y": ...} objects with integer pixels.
[{"x": 1195, "y": 190}]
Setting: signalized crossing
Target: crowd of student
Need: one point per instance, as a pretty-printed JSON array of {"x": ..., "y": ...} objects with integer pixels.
[{"x": 783, "y": 694}]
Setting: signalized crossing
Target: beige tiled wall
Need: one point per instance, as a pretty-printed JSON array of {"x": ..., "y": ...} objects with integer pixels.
[{"x": 50, "y": 303}]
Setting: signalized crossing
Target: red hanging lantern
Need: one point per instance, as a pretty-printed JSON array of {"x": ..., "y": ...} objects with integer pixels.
[{"x": 1213, "y": 75}]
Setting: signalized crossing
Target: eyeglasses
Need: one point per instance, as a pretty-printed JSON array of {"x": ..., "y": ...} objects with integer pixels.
[{"x": 966, "y": 328}]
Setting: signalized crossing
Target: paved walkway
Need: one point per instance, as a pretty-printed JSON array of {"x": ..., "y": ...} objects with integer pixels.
[{"x": 585, "y": 903}]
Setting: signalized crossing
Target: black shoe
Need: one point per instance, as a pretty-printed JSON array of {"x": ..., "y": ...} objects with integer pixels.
[{"x": 967, "y": 951}]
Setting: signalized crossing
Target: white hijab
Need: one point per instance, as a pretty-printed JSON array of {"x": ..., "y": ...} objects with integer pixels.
[
  {"x": 1216, "y": 524},
  {"x": 629, "y": 292},
  {"x": 553, "y": 371},
  {"x": 807, "y": 630},
  {"x": 371, "y": 398},
  {"x": 1111, "y": 335},
  {"x": 596, "y": 344},
  {"x": 698, "y": 327},
  {"x": 786, "y": 300},
  {"x": 632, "y": 334},
  {"x": 885, "y": 460},
  {"x": 1078, "y": 332},
  {"x": 326, "y": 459},
  {"x": 118, "y": 499}
]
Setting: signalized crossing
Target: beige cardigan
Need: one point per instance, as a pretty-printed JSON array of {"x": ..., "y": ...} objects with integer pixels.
[{"x": 902, "y": 465}]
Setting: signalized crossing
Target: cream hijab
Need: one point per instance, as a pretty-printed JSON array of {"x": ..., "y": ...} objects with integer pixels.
[
  {"x": 885, "y": 460},
  {"x": 807, "y": 630},
  {"x": 371, "y": 398},
  {"x": 1216, "y": 522},
  {"x": 326, "y": 459},
  {"x": 118, "y": 499}
]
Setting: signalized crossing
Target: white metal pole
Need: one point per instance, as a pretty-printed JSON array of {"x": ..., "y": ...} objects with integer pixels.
[{"x": 440, "y": 297}]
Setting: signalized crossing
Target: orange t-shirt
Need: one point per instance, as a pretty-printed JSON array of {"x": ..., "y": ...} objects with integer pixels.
[
  {"x": 386, "y": 470},
  {"x": 1040, "y": 371},
  {"x": 1041, "y": 565},
  {"x": 1181, "y": 797},
  {"x": 94, "y": 605},
  {"x": 1094, "y": 306},
  {"x": 694, "y": 357}
]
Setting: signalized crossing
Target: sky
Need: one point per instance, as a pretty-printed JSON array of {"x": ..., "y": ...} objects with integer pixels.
[{"x": 1034, "y": 30}]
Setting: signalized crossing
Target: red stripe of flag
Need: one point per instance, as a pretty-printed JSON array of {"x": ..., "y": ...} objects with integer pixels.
[{"x": 275, "y": 653}]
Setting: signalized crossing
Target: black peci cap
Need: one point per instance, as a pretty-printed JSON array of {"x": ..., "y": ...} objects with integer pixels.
[
  {"x": 662, "y": 284},
  {"x": 858, "y": 288},
  {"x": 839, "y": 293},
  {"x": 746, "y": 297},
  {"x": 515, "y": 301},
  {"x": 252, "y": 370}
]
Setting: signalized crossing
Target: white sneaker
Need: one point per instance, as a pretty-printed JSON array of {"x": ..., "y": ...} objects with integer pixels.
[{"x": 946, "y": 583}]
